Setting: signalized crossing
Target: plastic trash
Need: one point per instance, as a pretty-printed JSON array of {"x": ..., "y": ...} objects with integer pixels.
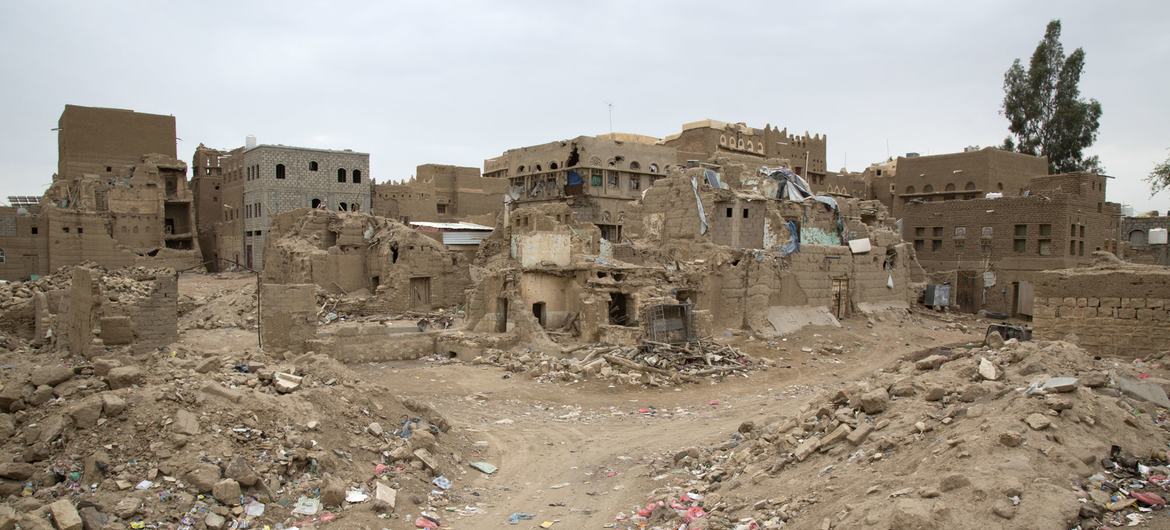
[
  {"x": 426, "y": 521},
  {"x": 254, "y": 509},
  {"x": 442, "y": 482},
  {"x": 356, "y": 496},
  {"x": 516, "y": 517},
  {"x": 307, "y": 506},
  {"x": 484, "y": 467},
  {"x": 144, "y": 485}
]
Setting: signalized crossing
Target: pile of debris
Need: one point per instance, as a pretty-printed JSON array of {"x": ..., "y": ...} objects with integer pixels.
[
  {"x": 1035, "y": 435},
  {"x": 131, "y": 283},
  {"x": 184, "y": 440},
  {"x": 650, "y": 363},
  {"x": 227, "y": 308}
]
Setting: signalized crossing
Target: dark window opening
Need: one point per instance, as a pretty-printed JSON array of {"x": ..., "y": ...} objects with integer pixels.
[
  {"x": 34, "y": 230},
  {"x": 574, "y": 157},
  {"x": 745, "y": 213},
  {"x": 729, "y": 212},
  {"x": 538, "y": 311},
  {"x": 357, "y": 176},
  {"x": 341, "y": 175},
  {"x": 81, "y": 230},
  {"x": 393, "y": 252},
  {"x": 342, "y": 207},
  {"x": 313, "y": 165},
  {"x": 618, "y": 312},
  {"x": 315, "y": 204},
  {"x": 280, "y": 171}
]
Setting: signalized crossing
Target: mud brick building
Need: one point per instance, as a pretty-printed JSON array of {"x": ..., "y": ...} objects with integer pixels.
[
  {"x": 441, "y": 193},
  {"x": 599, "y": 176},
  {"x": 120, "y": 198},
  {"x": 991, "y": 250},
  {"x": 970, "y": 174},
  {"x": 708, "y": 140}
]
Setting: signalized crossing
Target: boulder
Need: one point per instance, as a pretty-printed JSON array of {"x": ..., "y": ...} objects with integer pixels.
[
  {"x": 875, "y": 401},
  {"x": 227, "y": 491},
  {"x": 124, "y": 377},
  {"x": 203, "y": 477},
  {"x": 50, "y": 375}
]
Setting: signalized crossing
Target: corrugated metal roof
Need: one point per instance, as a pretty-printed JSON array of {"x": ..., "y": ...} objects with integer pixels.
[
  {"x": 464, "y": 238},
  {"x": 452, "y": 226}
]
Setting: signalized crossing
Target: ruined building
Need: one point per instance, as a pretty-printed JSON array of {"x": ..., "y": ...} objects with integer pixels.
[
  {"x": 259, "y": 181},
  {"x": 120, "y": 198},
  {"x": 1145, "y": 239},
  {"x": 598, "y": 176},
  {"x": 708, "y": 140},
  {"x": 441, "y": 193},
  {"x": 991, "y": 250}
]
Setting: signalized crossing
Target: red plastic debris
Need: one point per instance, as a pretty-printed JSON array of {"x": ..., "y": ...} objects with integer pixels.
[
  {"x": 694, "y": 512},
  {"x": 423, "y": 522},
  {"x": 1143, "y": 376},
  {"x": 1148, "y": 498}
]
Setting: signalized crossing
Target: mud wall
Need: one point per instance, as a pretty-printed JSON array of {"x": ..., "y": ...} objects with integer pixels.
[{"x": 1109, "y": 312}]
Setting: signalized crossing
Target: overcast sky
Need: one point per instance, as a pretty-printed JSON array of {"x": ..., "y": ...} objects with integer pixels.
[{"x": 457, "y": 82}]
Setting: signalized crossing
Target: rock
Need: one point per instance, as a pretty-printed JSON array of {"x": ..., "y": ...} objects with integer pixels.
[
  {"x": 186, "y": 423},
  {"x": 227, "y": 491},
  {"x": 333, "y": 491},
  {"x": 385, "y": 497},
  {"x": 875, "y": 401},
  {"x": 12, "y": 393},
  {"x": 112, "y": 404},
  {"x": 746, "y": 427},
  {"x": 972, "y": 392},
  {"x": 929, "y": 493},
  {"x": 807, "y": 448},
  {"x": 17, "y": 470},
  {"x": 860, "y": 433},
  {"x": 87, "y": 412},
  {"x": 65, "y": 516},
  {"x": 1011, "y": 439},
  {"x": 375, "y": 429},
  {"x": 1060, "y": 384},
  {"x": 221, "y": 391},
  {"x": 127, "y": 507},
  {"x": 1004, "y": 509},
  {"x": 1057, "y": 403},
  {"x": 902, "y": 388},
  {"x": 50, "y": 375},
  {"x": 1037, "y": 421},
  {"x": 953, "y": 481},
  {"x": 286, "y": 382},
  {"x": 102, "y": 367},
  {"x": 994, "y": 340},
  {"x": 7, "y": 426},
  {"x": 214, "y": 520},
  {"x": 1094, "y": 379},
  {"x": 1149, "y": 392},
  {"x": 239, "y": 471},
  {"x": 208, "y": 364},
  {"x": 935, "y": 393},
  {"x": 930, "y": 363},
  {"x": 838, "y": 434},
  {"x": 124, "y": 377},
  {"x": 691, "y": 452},
  {"x": 426, "y": 458},
  {"x": 203, "y": 477},
  {"x": 52, "y": 427},
  {"x": 93, "y": 519},
  {"x": 910, "y": 514},
  {"x": 987, "y": 370},
  {"x": 43, "y": 394}
]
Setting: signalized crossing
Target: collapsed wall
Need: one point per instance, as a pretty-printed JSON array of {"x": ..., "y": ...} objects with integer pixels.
[
  {"x": 1109, "y": 309},
  {"x": 398, "y": 268}
]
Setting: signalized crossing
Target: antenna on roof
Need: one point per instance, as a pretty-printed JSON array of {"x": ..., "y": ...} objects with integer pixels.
[
  {"x": 610, "y": 105},
  {"x": 887, "y": 147}
]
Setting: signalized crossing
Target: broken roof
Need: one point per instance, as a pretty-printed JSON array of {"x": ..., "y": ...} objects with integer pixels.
[{"x": 461, "y": 225}]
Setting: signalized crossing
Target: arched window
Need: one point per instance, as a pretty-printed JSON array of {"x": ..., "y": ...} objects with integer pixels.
[
  {"x": 635, "y": 165},
  {"x": 909, "y": 190},
  {"x": 280, "y": 171},
  {"x": 722, "y": 139},
  {"x": 950, "y": 187},
  {"x": 653, "y": 168},
  {"x": 357, "y": 176},
  {"x": 354, "y": 207},
  {"x": 751, "y": 146},
  {"x": 928, "y": 189},
  {"x": 342, "y": 207},
  {"x": 760, "y": 147},
  {"x": 741, "y": 143},
  {"x": 552, "y": 165},
  {"x": 315, "y": 204},
  {"x": 520, "y": 169},
  {"x": 312, "y": 165},
  {"x": 970, "y": 186},
  {"x": 340, "y": 174}
]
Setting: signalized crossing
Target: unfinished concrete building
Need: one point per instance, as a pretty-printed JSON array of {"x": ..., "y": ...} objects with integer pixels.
[
  {"x": 398, "y": 268},
  {"x": 598, "y": 176},
  {"x": 709, "y": 140},
  {"x": 120, "y": 198},
  {"x": 991, "y": 250},
  {"x": 258, "y": 181},
  {"x": 695, "y": 255},
  {"x": 441, "y": 193}
]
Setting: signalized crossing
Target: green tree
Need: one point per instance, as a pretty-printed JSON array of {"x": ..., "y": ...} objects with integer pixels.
[
  {"x": 1045, "y": 109},
  {"x": 1159, "y": 177}
]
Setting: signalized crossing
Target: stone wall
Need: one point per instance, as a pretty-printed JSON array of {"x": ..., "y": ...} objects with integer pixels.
[
  {"x": 1106, "y": 311},
  {"x": 288, "y": 316}
]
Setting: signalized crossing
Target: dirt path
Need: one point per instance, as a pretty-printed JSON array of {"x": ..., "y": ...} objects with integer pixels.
[{"x": 579, "y": 453}]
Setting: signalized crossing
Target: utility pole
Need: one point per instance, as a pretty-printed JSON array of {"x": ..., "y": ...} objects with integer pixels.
[{"x": 610, "y": 105}]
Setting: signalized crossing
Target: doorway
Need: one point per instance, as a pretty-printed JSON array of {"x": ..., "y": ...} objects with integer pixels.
[
  {"x": 965, "y": 293},
  {"x": 248, "y": 254},
  {"x": 538, "y": 311},
  {"x": 420, "y": 292},
  {"x": 841, "y": 305},
  {"x": 501, "y": 315}
]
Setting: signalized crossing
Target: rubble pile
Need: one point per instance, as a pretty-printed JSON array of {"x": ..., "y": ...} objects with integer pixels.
[
  {"x": 181, "y": 440},
  {"x": 124, "y": 284},
  {"x": 228, "y": 308},
  {"x": 650, "y": 363},
  {"x": 1034, "y": 435}
]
